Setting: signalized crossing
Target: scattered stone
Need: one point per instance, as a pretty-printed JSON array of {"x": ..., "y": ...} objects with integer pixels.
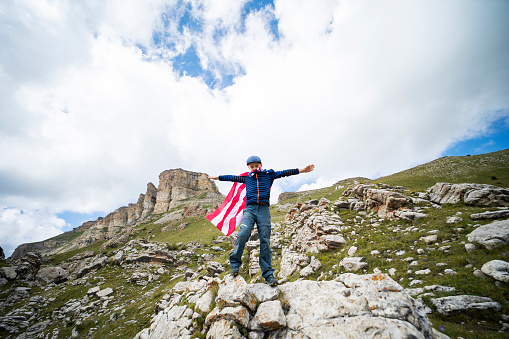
[
  {"x": 490, "y": 215},
  {"x": 459, "y": 303},
  {"x": 205, "y": 301},
  {"x": 352, "y": 263},
  {"x": 454, "y": 220},
  {"x": 313, "y": 266},
  {"x": 430, "y": 238},
  {"x": 214, "y": 268},
  {"x": 375, "y": 252},
  {"x": 470, "y": 247},
  {"x": 352, "y": 251},
  {"x": 105, "y": 292}
]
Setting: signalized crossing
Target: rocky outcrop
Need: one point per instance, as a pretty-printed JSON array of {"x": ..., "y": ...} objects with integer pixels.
[
  {"x": 362, "y": 306},
  {"x": 383, "y": 201},
  {"x": 471, "y": 194},
  {"x": 149, "y": 200},
  {"x": 177, "y": 184},
  {"x": 27, "y": 267},
  {"x": 2, "y": 254}
]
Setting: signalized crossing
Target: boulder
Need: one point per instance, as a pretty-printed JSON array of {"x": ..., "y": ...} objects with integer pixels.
[
  {"x": 491, "y": 235},
  {"x": 8, "y": 273},
  {"x": 53, "y": 274},
  {"x": 498, "y": 269},
  {"x": 223, "y": 329},
  {"x": 2, "y": 254},
  {"x": 459, "y": 303},
  {"x": 263, "y": 292},
  {"x": 238, "y": 314},
  {"x": 364, "y": 306},
  {"x": 91, "y": 265},
  {"x": 234, "y": 291},
  {"x": 269, "y": 316},
  {"x": 205, "y": 301},
  {"x": 28, "y": 266}
]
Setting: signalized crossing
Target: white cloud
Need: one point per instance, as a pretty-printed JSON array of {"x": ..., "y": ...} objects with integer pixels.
[
  {"x": 36, "y": 225},
  {"x": 358, "y": 88}
]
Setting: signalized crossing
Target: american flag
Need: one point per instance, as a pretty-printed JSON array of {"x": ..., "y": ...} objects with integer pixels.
[{"x": 229, "y": 215}]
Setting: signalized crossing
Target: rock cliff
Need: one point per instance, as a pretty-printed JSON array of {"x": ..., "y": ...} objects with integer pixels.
[{"x": 176, "y": 185}]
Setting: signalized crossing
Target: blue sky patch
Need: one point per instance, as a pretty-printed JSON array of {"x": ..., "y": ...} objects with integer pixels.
[{"x": 496, "y": 139}]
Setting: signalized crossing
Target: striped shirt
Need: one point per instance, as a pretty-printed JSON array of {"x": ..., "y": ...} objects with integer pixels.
[{"x": 258, "y": 183}]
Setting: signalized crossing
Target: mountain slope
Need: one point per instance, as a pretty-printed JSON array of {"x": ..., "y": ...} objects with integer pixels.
[
  {"x": 489, "y": 168},
  {"x": 159, "y": 269}
]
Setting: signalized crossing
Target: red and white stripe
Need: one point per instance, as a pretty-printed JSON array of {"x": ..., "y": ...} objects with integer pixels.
[{"x": 229, "y": 215}]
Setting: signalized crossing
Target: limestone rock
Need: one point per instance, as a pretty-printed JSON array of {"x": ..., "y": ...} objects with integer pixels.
[
  {"x": 459, "y": 303},
  {"x": 171, "y": 323},
  {"x": 352, "y": 263},
  {"x": 238, "y": 314},
  {"x": 471, "y": 194},
  {"x": 358, "y": 305},
  {"x": 91, "y": 265},
  {"x": 269, "y": 316},
  {"x": 105, "y": 292},
  {"x": 205, "y": 301},
  {"x": 178, "y": 184},
  {"x": 291, "y": 261},
  {"x": 234, "y": 291},
  {"x": 383, "y": 201},
  {"x": 28, "y": 266},
  {"x": 491, "y": 235},
  {"x": 8, "y": 273},
  {"x": 263, "y": 292},
  {"x": 53, "y": 274},
  {"x": 223, "y": 329},
  {"x": 490, "y": 215},
  {"x": 149, "y": 200},
  {"x": 313, "y": 266},
  {"x": 498, "y": 269},
  {"x": 214, "y": 268}
]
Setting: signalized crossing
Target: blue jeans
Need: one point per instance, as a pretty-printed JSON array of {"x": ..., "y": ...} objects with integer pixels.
[{"x": 259, "y": 214}]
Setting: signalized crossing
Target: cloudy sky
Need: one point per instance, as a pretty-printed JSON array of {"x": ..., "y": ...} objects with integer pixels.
[{"x": 98, "y": 97}]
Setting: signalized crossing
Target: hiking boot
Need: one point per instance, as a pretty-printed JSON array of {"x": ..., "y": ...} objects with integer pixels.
[
  {"x": 235, "y": 272},
  {"x": 271, "y": 281}
]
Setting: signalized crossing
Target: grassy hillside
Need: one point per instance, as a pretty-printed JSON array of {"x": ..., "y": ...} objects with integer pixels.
[
  {"x": 490, "y": 168},
  {"x": 133, "y": 305}
]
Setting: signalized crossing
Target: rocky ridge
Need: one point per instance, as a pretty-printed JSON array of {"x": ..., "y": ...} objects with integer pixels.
[{"x": 175, "y": 186}]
